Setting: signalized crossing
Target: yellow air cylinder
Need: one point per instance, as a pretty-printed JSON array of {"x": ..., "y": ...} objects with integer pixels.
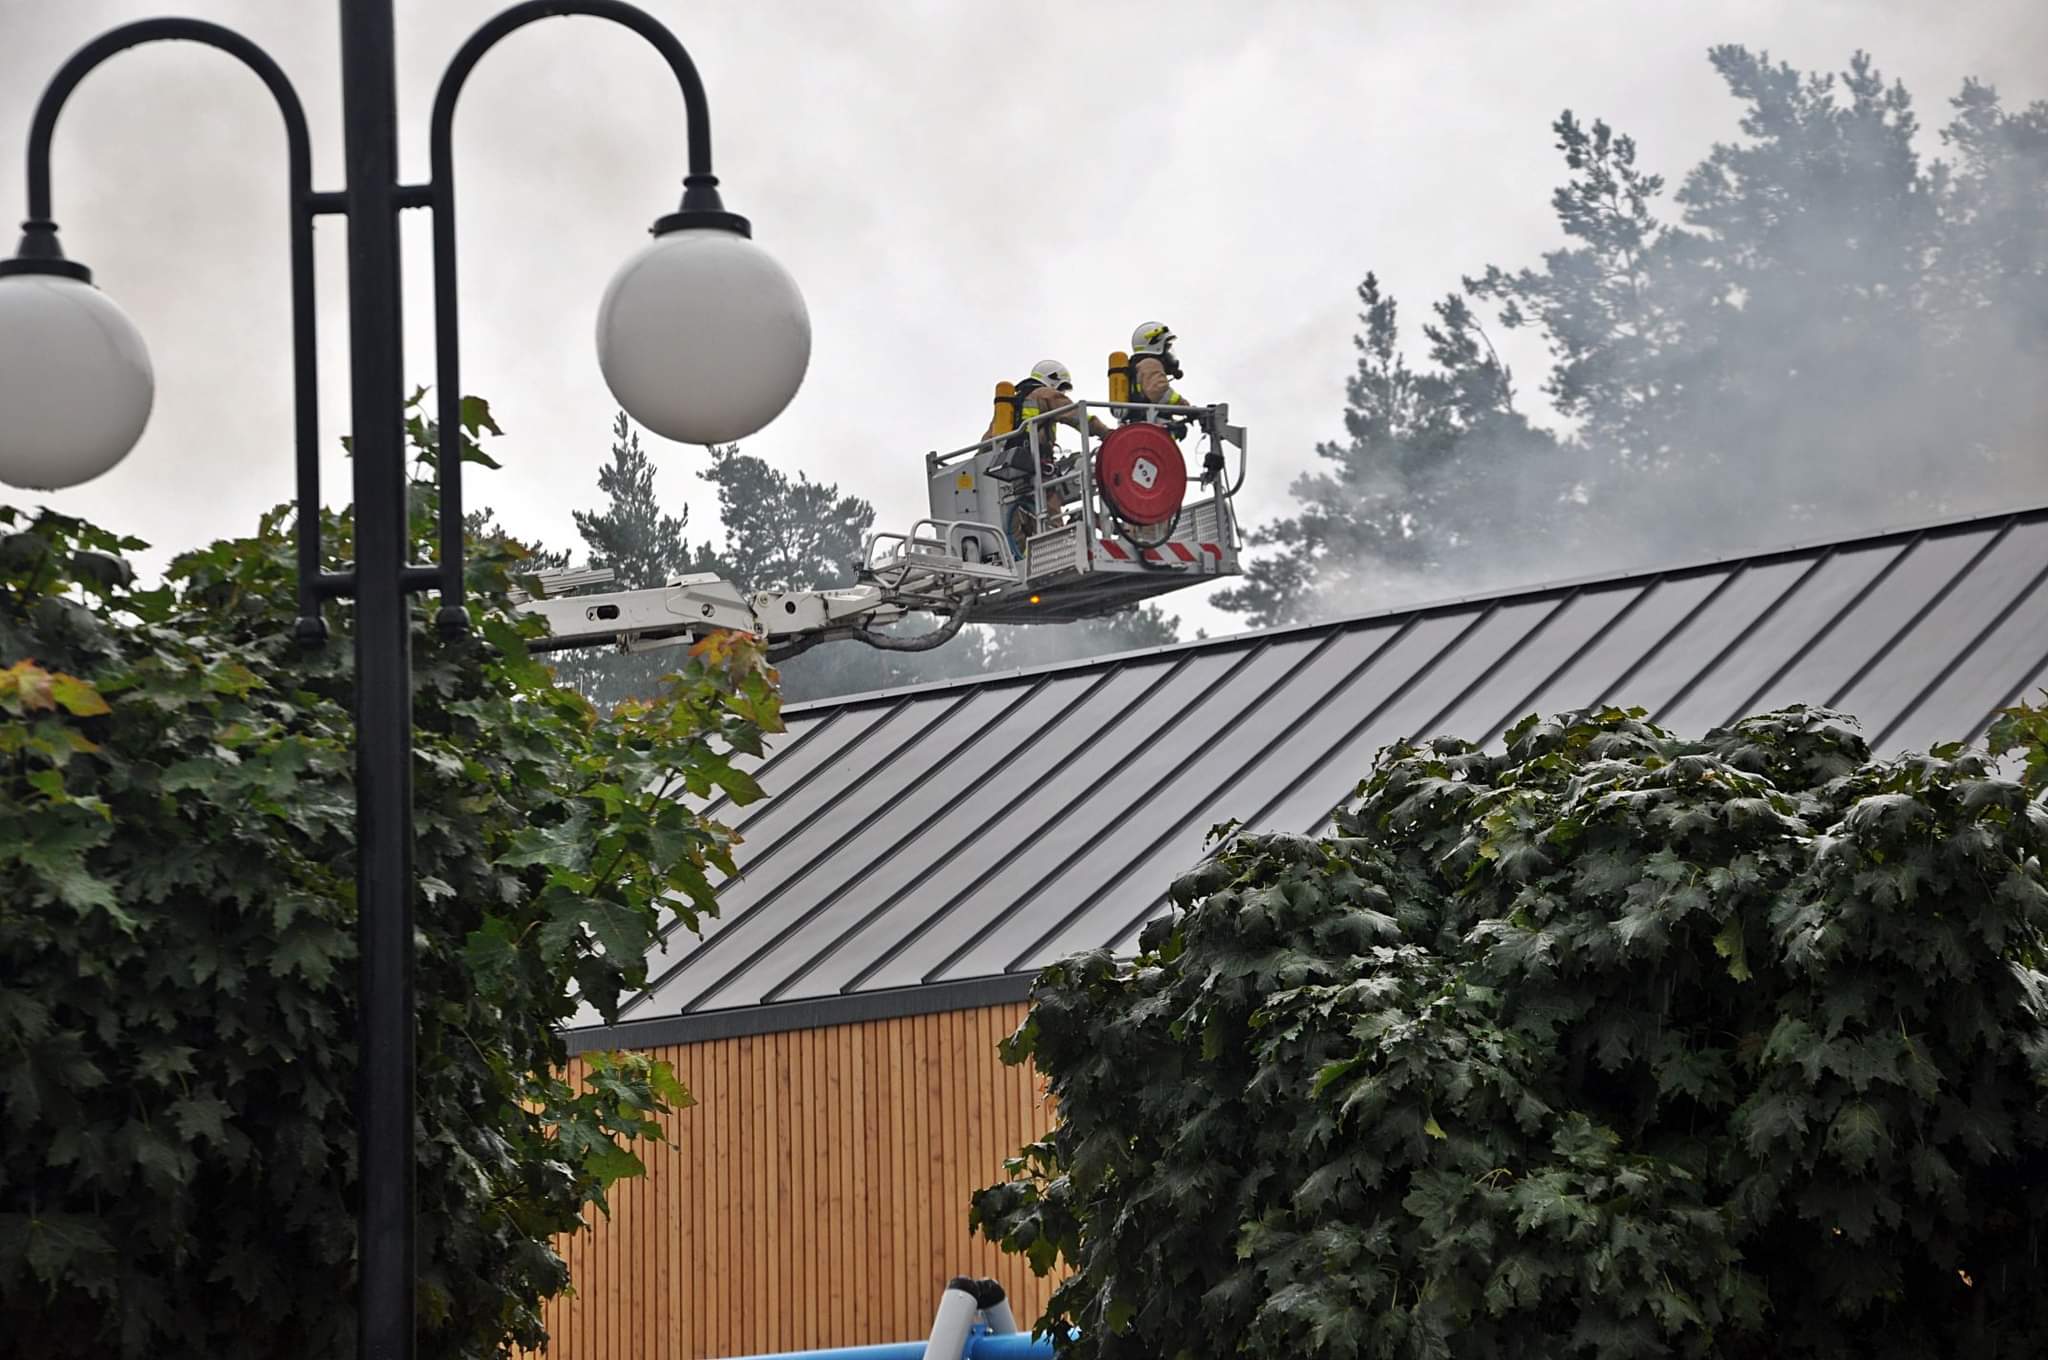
[
  {"x": 1119, "y": 376},
  {"x": 1006, "y": 408}
]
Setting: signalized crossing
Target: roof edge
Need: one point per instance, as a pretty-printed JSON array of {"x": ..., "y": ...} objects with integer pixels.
[
  {"x": 1423, "y": 607},
  {"x": 778, "y": 1017}
]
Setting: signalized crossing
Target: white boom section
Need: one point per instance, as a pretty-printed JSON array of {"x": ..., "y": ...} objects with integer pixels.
[{"x": 690, "y": 607}]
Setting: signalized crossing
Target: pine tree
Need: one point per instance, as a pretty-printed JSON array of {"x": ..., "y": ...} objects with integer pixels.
[
  {"x": 644, "y": 548},
  {"x": 1604, "y": 302},
  {"x": 783, "y": 533},
  {"x": 1818, "y": 351},
  {"x": 1993, "y": 295}
]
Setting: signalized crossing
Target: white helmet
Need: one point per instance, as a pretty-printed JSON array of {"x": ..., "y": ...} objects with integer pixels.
[
  {"x": 1151, "y": 338},
  {"x": 1053, "y": 374}
]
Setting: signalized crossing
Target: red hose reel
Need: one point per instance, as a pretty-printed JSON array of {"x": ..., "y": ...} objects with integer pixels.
[{"x": 1141, "y": 473}]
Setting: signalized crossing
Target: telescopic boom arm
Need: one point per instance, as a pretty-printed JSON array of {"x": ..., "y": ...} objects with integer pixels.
[{"x": 689, "y": 608}]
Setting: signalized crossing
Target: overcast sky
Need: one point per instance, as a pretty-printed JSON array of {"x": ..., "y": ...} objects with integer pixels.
[{"x": 1230, "y": 168}]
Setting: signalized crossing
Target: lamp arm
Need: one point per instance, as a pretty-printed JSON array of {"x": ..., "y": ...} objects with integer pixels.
[
  {"x": 700, "y": 199},
  {"x": 39, "y": 245}
]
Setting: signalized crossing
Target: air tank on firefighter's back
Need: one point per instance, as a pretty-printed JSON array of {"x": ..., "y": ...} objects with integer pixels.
[{"x": 1119, "y": 376}]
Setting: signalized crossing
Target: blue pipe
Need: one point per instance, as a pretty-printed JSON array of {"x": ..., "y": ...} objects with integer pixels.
[{"x": 981, "y": 1345}]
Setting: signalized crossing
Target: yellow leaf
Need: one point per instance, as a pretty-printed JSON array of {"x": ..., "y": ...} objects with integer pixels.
[
  {"x": 1434, "y": 1129},
  {"x": 25, "y": 686},
  {"x": 79, "y": 699}
]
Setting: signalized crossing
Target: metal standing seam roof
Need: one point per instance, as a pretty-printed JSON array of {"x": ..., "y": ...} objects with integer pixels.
[{"x": 929, "y": 848}]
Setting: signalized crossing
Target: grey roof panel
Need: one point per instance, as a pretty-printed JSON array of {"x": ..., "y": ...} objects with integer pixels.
[
  {"x": 1138, "y": 765},
  {"x": 796, "y": 758},
  {"x": 1648, "y": 613},
  {"x": 843, "y": 881},
  {"x": 917, "y": 840},
  {"x": 1026, "y": 753},
  {"x": 1276, "y": 725},
  {"x": 1861, "y": 639},
  {"x": 843, "y": 761},
  {"x": 1154, "y": 797},
  {"x": 1979, "y": 675},
  {"x": 1337, "y": 656},
  {"x": 1698, "y": 643},
  {"x": 961, "y": 897},
  {"x": 1551, "y": 648},
  {"x": 1414, "y": 675},
  {"x": 1782, "y": 635},
  {"x": 846, "y": 831},
  {"x": 1921, "y": 701},
  {"x": 2032, "y": 690}
]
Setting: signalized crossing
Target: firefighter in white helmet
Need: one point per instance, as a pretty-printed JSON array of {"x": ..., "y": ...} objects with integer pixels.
[{"x": 1045, "y": 390}]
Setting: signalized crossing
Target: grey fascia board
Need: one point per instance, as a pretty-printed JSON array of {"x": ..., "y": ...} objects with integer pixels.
[{"x": 818, "y": 1012}]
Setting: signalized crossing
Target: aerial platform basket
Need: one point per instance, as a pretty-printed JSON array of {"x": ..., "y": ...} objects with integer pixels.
[{"x": 1039, "y": 535}]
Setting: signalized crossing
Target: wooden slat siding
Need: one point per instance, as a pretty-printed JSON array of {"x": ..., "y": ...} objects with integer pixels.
[
  {"x": 815, "y": 1196},
  {"x": 902, "y": 1218},
  {"x": 797, "y": 1263},
  {"x": 867, "y": 1245}
]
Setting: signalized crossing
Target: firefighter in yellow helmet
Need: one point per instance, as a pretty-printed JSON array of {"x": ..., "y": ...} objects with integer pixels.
[
  {"x": 1153, "y": 369},
  {"x": 1149, "y": 375},
  {"x": 1045, "y": 390}
]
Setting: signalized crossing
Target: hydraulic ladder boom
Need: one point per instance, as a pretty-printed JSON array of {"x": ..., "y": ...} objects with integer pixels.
[{"x": 691, "y": 607}]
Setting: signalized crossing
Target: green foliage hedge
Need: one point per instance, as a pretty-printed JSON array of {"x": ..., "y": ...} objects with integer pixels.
[
  {"x": 177, "y": 955},
  {"x": 1610, "y": 1044}
]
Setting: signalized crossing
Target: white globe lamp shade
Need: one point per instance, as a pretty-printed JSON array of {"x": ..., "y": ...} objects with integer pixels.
[
  {"x": 703, "y": 338},
  {"x": 76, "y": 384}
]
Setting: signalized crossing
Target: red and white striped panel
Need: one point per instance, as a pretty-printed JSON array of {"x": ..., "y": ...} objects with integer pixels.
[{"x": 1209, "y": 555}]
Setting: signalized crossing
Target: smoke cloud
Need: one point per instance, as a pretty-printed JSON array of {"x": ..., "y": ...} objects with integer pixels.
[{"x": 1836, "y": 322}]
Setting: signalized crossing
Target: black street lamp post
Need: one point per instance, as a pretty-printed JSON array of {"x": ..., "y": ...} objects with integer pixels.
[{"x": 701, "y": 336}]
